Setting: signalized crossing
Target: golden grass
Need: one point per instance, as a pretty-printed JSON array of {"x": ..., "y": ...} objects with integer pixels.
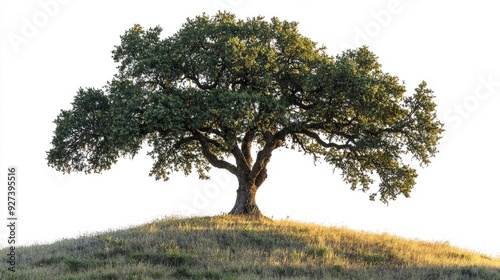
[{"x": 228, "y": 247}]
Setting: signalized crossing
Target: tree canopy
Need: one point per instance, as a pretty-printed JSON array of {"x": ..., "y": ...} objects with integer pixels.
[{"x": 220, "y": 88}]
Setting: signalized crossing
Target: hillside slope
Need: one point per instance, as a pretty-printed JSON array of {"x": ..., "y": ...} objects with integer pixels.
[{"x": 226, "y": 247}]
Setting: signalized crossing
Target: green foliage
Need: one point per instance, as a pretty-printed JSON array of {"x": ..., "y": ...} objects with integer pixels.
[{"x": 220, "y": 87}]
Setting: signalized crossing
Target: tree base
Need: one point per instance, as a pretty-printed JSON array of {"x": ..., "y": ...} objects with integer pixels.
[
  {"x": 244, "y": 212},
  {"x": 251, "y": 216}
]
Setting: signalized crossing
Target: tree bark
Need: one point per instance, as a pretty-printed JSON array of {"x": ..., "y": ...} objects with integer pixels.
[
  {"x": 251, "y": 178},
  {"x": 245, "y": 200}
]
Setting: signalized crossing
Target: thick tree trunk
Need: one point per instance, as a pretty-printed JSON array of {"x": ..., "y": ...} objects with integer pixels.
[
  {"x": 245, "y": 200},
  {"x": 251, "y": 178}
]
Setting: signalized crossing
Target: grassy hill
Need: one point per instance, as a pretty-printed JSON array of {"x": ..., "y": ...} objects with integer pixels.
[{"x": 226, "y": 247}]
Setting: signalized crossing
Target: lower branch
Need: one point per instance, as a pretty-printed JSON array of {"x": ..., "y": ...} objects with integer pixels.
[{"x": 212, "y": 159}]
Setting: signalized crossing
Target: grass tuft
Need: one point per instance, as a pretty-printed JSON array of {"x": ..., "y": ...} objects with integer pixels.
[{"x": 172, "y": 259}]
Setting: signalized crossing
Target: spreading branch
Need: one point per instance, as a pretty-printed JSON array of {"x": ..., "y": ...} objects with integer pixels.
[
  {"x": 212, "y": 158},
  {"x": 246, "y": 147},
  {"x": 323, "y": 143},
  {"x": 272, "y": 141}
]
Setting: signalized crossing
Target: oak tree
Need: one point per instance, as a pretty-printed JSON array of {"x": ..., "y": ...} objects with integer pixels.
[{"x": 226, "y": 93}]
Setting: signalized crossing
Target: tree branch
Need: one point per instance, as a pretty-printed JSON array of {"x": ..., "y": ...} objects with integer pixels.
[
  {"x": 301, "y": 105},
  {"x": 211, "y": 141},
  {"x": 320, "y": 141},
  {"x": 240, "y": 158},
  {"x": 273, "y": 141},
  {"x": 212, "y": 159},
  {"x": 304, "y": 148},
  {"x": 261, "y": 177},
  {"x": 246, "y": 146},
  {"x": 210, "y": 130},
  {"x": 336, "y": 128},
  {"x": 197, "y": 82},
  {"x": 183, "y": 141}
]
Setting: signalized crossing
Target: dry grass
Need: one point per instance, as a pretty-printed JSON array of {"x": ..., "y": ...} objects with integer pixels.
[{"x": 226, "y": 247}]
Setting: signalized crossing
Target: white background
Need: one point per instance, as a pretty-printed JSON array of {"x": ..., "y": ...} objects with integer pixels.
[{"x": 50, "y": 48}]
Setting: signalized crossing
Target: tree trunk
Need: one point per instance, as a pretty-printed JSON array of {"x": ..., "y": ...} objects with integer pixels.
[
  {"x": 245, "y": 200},
  {"x": 250, "y": 179}
]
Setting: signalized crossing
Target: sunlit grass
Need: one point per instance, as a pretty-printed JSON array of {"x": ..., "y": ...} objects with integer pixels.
[{"x": 226, "y": 247}]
